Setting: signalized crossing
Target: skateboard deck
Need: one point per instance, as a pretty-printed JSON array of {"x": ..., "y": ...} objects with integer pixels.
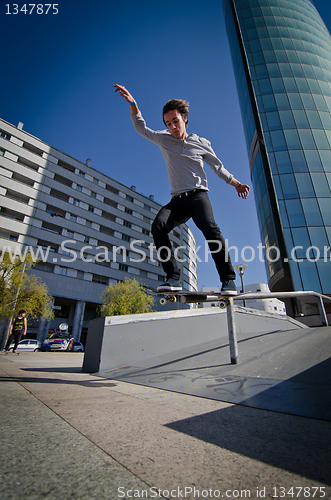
[{"x": 187, "y": 297}]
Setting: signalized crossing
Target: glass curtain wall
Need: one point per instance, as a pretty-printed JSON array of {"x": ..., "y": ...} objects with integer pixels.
[{"x": 281, "y": 52}]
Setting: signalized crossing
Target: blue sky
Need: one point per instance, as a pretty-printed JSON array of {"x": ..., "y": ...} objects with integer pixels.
[{"x": 57, "y": 78}]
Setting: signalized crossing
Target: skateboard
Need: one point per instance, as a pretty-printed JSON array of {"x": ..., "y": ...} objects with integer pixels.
[{"x": 187, "y": 297}]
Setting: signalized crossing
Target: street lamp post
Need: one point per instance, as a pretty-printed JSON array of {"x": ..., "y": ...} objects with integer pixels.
[{"x": 241, "y": 269}]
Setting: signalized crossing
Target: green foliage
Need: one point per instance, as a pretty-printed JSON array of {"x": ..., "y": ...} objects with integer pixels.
[
  {"x": 20, "y": 289},
  {"x": 127, "y": 297}
]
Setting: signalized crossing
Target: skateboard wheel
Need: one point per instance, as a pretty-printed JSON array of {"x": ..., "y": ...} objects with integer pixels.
[
  {"x": 173, "y": 299},
  {"x": 163, "y": 301}
]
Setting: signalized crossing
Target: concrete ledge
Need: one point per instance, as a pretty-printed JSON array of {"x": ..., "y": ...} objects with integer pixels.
[{"x": 118, "y": 341}]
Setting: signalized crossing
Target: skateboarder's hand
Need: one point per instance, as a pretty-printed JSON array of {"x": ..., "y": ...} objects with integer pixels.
[
  {"x": 243, "y": 190},
  {"x": 124, "y": 93}
]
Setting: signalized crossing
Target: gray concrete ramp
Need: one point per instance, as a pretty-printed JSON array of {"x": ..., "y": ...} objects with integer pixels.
[
  {"x": 117, "y": 341},
  {"x": 284, "y": 371}
]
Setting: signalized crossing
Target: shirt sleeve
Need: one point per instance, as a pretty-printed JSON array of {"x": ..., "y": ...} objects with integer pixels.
[
  {"x": 142, "y": 129},
  {"x": 215, "y": 163}
]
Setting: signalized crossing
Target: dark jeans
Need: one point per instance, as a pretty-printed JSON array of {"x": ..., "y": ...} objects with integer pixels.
[
  {"x": 178, "y": 211},
  {"x": 15, "y": 335}
]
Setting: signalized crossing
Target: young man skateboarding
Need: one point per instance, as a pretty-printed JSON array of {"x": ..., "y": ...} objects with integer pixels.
[{"x": 184, "y": 155}]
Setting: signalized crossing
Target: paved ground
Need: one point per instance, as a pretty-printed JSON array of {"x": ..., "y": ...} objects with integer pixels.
[{"x": 70, "y": 435}]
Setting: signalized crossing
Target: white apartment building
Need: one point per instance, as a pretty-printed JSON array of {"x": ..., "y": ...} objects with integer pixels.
[
  {"x": 89, "y": 230},
  {"x": 271, "y": 305}
]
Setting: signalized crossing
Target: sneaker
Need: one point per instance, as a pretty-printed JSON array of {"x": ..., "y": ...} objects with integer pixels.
[
  {"x": 171, "y": 285},
  {"x": 229, "y": 288}
]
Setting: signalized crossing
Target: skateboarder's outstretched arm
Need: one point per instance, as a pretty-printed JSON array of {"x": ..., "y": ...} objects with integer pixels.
[
  {"x": 128, "y": 97},
  {"x": 242, "y": 189}
]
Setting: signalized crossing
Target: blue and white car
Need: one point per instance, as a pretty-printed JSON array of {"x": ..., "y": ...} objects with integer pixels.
[{"x": 58, "y": 342}]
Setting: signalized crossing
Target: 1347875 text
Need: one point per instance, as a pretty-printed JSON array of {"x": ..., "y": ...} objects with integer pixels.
[{"x": 32, "y": 8}]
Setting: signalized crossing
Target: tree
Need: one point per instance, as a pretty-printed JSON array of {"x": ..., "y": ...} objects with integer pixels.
[
  {"x": 126, "y": 297},
  {"x": 20, "y": 289}
]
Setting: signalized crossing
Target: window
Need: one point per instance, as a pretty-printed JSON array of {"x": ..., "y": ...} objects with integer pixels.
[
  {"x": 147, "y": 207},
  {"x": 55, "y": 212},
  {"x": 65, "y": 165},
  {"x": 145, "y": 231},
  {"x": 42, "y": 266},
  {"x": 75, "y": 202},
  {"x": 312, "y": 212},
  {"x": 99, "y": 279},
  {"x": 32, "y": 148},
  {"x": 111, "y": 189},
  {"x": 17, "y": 196},
  {"x": 79, "y": 187},
  {"x": 123, "y": 267},
  {"x": 90, "y": 208},
  {"x": 110, "y": 202},
  {"x": 321, "y": 186},
  {"x": 93, "y": 194},
  {"x": 22, "y": 179},
  {"x": 86, "y": 239},
  {"x": 4, "y": 135},
  {"x": 73, "y": 218},
  {"x": 129, "y": 198},
  {"x": 295, "y": 213},
  {"x": 59, "y": 195},
  {"x": 46, "y": 246},
  {"x": 128, "y": 211},
  {"x": 2, "y": 152},
  {"x": 88, "y": 257},
  {"x": 62, "y": 180},
  {"x": 81, "y": 173},
  {"x": 125, "y": 237},
  {"x": 11, "y": 214},
  {"x": 62, "y": 270},
  {"x": 106, "y": 230},
  {"x": 9, "y": 236},
  {"x": 126, "y": 223},
  {"x": 51, "y": 227},
  {"x": 108, "y": 216}
]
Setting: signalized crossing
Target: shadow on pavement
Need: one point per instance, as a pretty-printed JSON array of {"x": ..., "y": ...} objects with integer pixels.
[
  {"x": 279, "y": 440},
  {"x": 39, "y": 380}
]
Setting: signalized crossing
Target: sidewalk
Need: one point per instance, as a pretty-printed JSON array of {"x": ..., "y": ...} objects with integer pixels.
[{"x": 69, "y": 435}]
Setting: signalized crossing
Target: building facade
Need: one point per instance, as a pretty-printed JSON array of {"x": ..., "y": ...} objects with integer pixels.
[
  {"x": 88, "y": 230},
  {"x": 281, "y": 52}
]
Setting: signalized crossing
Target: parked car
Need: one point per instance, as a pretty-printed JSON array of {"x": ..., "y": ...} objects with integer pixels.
[
  {"x": 58, "y": 342},
  {"x": 26, "y": 345},
  {"x": 78, "y": 347}
]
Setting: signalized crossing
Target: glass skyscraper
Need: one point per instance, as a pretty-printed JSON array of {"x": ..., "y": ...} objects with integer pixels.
[{"x": 281, "y": 52}]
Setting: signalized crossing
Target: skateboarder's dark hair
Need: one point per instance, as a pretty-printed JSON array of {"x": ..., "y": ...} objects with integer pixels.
[{"x": 180, "y": 105}]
